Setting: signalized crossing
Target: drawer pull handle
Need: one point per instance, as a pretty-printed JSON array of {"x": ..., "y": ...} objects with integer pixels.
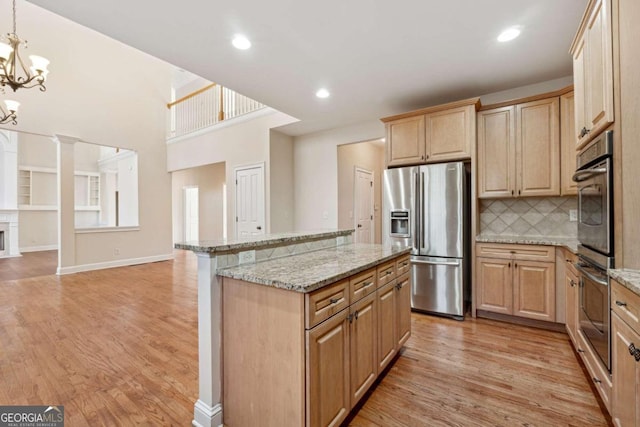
[
  {"x": 404, "y": 264},
  {"x": 597, "y": 381},
  {"x": 621, "y": 303},
  {"x": 334, "y": 300},
  {"x": 635, "y": 352},
  {"x": 580, "y": 350},
  {"x": 399, "y": 286},
  {"x": 389, "y": 272},
  {"x": 356, "y": 314},
  {"x": 367, "y": 284},
  {"x": 350, "y": 317}
]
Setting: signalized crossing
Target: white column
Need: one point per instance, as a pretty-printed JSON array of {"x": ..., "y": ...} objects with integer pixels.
[
  {"x": 9, "y": 170},
  {"x": 208, "y": 409},
  {"x": 66, "y": 202}
]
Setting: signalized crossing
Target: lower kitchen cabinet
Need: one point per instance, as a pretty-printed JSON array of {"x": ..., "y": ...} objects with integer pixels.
[
  {"x": 571, "y": 304},
  {"x": 328, "y": 392},
  {"x": 386, "y": 324},
  {"x": 363, "y": 329},
  {"x": 403, "y": 311},
  {"x": 625, "y": 352},
  {"x": 516, "y": 280}
]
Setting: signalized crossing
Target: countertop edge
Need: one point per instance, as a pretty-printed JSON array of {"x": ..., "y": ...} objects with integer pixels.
[
  {"x": 224, "y": 248},
  {"x": 568, "y": 243},
  {"x": 628, "y": 278},
  {"x": 315, "y": 285}
]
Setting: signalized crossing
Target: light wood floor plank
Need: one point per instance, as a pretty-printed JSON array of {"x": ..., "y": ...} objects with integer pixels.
[{"x": 119, "y": 347}]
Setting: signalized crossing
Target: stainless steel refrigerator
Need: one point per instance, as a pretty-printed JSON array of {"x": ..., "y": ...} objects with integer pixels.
[{"x": 427, "y": 208}]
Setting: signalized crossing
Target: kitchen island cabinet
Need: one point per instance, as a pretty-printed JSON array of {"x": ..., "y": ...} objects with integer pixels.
[{"x": 302, "y": 346}]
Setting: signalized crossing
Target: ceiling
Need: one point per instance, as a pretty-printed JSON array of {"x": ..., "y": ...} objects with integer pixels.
[{"x": 376, "y": 57}]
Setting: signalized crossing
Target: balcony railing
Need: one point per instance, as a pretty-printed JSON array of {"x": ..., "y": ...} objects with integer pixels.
[{"x": 207, "y": 106}]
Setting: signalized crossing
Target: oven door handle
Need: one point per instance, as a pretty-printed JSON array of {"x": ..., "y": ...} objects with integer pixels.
[
  {"x": 591, "y": 276},
  {"x": 579, "y": 176}
]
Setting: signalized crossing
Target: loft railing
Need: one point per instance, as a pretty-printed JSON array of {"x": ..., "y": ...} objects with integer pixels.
[{"x": 207, "y": 106}]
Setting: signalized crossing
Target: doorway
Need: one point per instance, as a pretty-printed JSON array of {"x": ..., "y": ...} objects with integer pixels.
[
  {"x": 191, "y": 218},
  {"x": 363, "y": 205},
  {"x": 250, "y": 209}
]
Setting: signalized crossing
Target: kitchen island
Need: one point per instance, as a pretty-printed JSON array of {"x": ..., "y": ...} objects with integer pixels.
[{"x": 273, "y": 314}]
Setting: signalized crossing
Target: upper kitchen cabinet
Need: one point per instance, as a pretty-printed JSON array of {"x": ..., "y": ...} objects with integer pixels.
[
  {"x": 593, "y": 72},
  {"x": 567, "y": 145},
  {"x": 435, "y": 134},
  {"x": 519, "y": 150}
]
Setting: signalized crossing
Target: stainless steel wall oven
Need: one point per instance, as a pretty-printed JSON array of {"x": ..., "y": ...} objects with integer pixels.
[{"x": 594, "y": 176}]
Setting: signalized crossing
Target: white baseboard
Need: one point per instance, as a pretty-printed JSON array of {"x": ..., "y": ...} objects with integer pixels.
[
  {"x": 39, "y": 248},
  {"x": 206, "y": 416},
  {"x": 112, "y": 264}
]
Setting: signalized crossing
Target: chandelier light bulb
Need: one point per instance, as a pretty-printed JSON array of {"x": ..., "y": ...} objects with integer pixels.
[
  {"x": 12, "y": 106},
  {"x": 5, "y": 51},
  {"x": 39, "y": 63}
]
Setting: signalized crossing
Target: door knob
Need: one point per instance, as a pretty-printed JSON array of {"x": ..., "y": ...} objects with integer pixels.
[
  {"x": 259, "y": 227},
  {"x": 359, "y": 225}
]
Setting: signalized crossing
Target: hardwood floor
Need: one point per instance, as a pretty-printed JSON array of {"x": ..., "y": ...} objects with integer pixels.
[
  {"x": 30, "y": 264},
  {"x": 118, "y": 347}
]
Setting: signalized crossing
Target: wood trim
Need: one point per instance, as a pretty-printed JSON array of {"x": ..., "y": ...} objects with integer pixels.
[
  {"x": 582, "y": 26},
  {"x": 531, "y": 98},
  {"x": 534, "y": 323},
  {"x": 433, "y": 109},
  {"x": 191, "y": 95}
]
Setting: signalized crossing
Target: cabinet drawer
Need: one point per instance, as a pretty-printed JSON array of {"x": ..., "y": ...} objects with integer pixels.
[
  {"x": 362, "y": 284},
  {"x": 386, "y": 272},
  {"x": 599, "y": 377},
  {"x": 626, "y": 304},
  {"x": 522, "y": 252},
  {"x": 325, "y": 302},
  {"x": 403, "y": 265}
]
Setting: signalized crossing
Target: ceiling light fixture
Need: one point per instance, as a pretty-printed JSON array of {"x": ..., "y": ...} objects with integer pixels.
[
  {"x": 13, "y": 72},
  {"x": 509, "y": 34},
  {"x": 241, "y": 42},
  {"x": 11, "y": 114},
  {"x": 322, "y": 93}
]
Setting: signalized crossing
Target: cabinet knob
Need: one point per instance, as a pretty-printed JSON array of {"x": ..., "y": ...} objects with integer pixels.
[
  {"x": 621, "y": 303},
  {"x": 597, "y": 381},
  {"x": 583, "y": 132},
  {"x": 334, "y": 300},
  {"x": 512, "y": 192},
  {"x": 580, "y": 350},
  {"x": 572, "y": 283},
  {"x": 422, "y": 157},
  {"x": 519, "y": 192},
  {"x": 635, "y": 352}
]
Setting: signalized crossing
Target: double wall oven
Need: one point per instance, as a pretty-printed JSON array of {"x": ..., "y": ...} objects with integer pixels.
[{"x": 594, "y": 177}]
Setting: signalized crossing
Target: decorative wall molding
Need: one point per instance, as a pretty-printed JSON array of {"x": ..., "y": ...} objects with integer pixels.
[{"x": 112, "y": 264}]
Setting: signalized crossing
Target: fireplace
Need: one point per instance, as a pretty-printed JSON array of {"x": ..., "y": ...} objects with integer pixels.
[
  {"x": 9, "y": 233},
  {"x": 4, "y": 237}
]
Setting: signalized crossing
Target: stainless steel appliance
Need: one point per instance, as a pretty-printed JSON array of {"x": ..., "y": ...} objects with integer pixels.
[
  {"x": 594, "y": 177},
  {"x": 427, "y": 208}
]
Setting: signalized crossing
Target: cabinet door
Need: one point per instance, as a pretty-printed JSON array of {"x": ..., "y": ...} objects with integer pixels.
[
  {"x": 406, "y": 141},
  {"x": 538, "y": 148},
  {"x": 403, "y": 310},
  {"x": 534, "y": 290},
  {"x": 328, "y": 401},
  {"x": 571, "y": 305},
  {"x": 386, "y": 324},
  {"x": 580, "y": 99},
  {"x": 599, "y": 72},
  {"x": 496, "y": 152},
  {"x": 450, "y": 133},
  {"x": 568, "y": 145},
  {"x": 495, "y": 292},
  {"x": 626, "y": 374},
  {"x": 364, "y": 340}
]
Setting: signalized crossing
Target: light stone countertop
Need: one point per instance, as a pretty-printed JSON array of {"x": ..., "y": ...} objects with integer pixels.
[
  {"x": 569, "y": 243},
  {"x": 312, "y": 270},
  {"x": 258, "y": 242},
  {"x": 628, "y": 278}
]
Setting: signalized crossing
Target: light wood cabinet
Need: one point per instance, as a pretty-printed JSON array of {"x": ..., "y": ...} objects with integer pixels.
[
  {"x": 387, "y": 315},
  {"x": 406, "y": 141},
  {"x": 403, "y": 310},
  {"x": 518, "y": 150},
  {"x": 364, "y": 341},
  {"x": 516, "y": 280},
  {"x": 593, "y": 72},
  {"x": 600, "y": 378},
  {"x": 625, "y": 340},
  {"x": 567, "y": 145},
  {"x": 328, "y": 393},
  {"x": 571, "y": 284},
  {"x": 435, "y": 134}
]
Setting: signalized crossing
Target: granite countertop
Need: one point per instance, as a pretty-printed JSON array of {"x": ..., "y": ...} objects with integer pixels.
[
  {"x": 569, "y": 243},
  {"x": 313, "y": 270},
  {"x": 628, "y": 278},
  {"x": 257, "y": 242}
]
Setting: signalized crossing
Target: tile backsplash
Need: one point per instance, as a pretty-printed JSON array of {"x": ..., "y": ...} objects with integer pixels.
[{"x": 531, "y": 216}]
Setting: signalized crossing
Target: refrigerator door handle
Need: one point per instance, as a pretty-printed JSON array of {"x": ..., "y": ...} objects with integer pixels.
[
  {"x": 421, "y": 211},
  {"x": 417, "y": 261},
  {"x": 416, "y": 219}
]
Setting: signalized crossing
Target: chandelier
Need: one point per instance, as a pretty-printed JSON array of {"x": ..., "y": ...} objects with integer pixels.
[
  {"x": 11, "y": 114},
  {"x": 13, "y": 71}
]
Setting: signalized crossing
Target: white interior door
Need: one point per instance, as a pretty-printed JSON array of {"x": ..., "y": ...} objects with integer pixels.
[
  {"x": 191, "y": 222},
  {"x": 363, "y": 206},
  {"x": 250, "y": 219}
]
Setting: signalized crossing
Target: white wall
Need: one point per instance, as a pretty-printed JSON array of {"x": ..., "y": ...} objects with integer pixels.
[
  {"x": 316, "y": 172},
  {"x": 210, "y": 180},
  {"x": 239, "y": 143},
  {"x": 282, "y": 183},
  {"x": 103, "y": 92}
]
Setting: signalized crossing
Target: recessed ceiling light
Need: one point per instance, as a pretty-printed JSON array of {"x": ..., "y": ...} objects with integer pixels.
[
  {"x": 241, "y": 42},
  {"x": 509, "y": 34},
  {"x": 322, "y": 93}
]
